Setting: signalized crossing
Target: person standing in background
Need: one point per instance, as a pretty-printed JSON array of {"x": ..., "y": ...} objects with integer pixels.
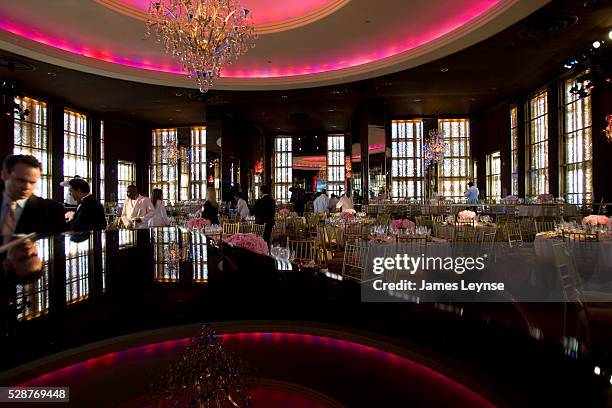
[
  {"x": 89, "y": 215},
  {"x": 472, "y": 193},
  {"x": 345, "y": 202},
  {"x": 242, "y": 209},
  {"x": 137, "y": 209},
  {"x": 321, "y": 203},
  {"x": 160, "y": 217},
  {"x": 210, "y": 211},
  {"x": 265, "y": 211}
]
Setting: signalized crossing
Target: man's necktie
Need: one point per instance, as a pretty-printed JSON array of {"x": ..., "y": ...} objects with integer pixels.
[{"x": 10, "y": 220}]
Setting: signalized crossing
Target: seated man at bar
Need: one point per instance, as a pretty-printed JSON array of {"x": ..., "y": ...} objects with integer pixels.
[
  {"x": 21, "y": 211},
  {"x": 137, "y": 209},
  {"x": 89, "y": 215}
]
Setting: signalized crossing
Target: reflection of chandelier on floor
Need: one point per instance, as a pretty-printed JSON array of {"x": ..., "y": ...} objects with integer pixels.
[
  {"x": 202, "y": 35},
  {"x": 434, "y": 147}
]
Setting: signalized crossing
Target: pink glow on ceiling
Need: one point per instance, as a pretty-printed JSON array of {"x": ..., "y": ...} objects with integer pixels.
[
  {"x": 263, "y": 11},
  {"x": 358, "y": 55}
]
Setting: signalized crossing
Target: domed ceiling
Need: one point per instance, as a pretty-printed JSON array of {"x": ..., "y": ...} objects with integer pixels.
[{"x": 302, "y": 43}]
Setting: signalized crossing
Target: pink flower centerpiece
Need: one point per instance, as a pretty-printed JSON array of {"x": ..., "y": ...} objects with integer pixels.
[
  {"x": 250, "y": 242},
  {"x": 284, "y": 212},
  {"x": 348, "y": 214},
  {"x": 402, "y": 224},
  {"x": 595, "y": 220},
  {"x": 198, "y": 223},
  {"x": 546, "y": 198},
  {"x": 466, "y": 215}
]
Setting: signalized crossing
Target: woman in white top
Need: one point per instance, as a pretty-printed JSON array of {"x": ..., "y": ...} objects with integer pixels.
[{"x": 160, "y": 218}]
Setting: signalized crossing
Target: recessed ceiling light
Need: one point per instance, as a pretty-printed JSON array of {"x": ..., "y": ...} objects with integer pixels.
[
  {"x": 417, "y": 100},
  {"x": 597, "y": 44},
  {"x": 444, "y": 69}
]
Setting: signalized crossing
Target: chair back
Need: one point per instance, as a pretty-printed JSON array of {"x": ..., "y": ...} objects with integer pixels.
[
  {"x": 355, "y": 259},
  {"x": 230, "y": 228},
  {"x": 513, "y": 234},
  {"x": 303, "y": 250},
  {"x": 258, "y": 229},
  {"x": 541, "y": 226}
]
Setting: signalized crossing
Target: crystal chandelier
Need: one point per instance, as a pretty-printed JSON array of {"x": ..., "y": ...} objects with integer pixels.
[
  {"x": 434, "y": 147},
  {"x": 172, "y": 154},
  {"x": 202, "y": 35}
]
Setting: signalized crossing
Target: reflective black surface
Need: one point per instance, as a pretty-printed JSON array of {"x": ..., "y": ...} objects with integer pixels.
[{"x": 96, "y": 286}]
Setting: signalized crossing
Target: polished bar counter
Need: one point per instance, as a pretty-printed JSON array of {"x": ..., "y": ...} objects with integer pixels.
[{"x": 159, "y": 285}]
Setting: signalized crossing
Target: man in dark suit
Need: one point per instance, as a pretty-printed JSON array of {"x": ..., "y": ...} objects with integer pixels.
[
  {"x": 89, "y": 215},
  {"x": 22, "y": 212},
  {"x": 265, "y": 211}
]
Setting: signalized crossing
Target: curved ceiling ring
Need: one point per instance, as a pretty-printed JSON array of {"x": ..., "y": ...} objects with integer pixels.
[{"x": 265, "y": 28}]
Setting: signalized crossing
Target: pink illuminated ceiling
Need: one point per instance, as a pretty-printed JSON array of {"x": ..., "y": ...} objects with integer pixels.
[
  {"x": 301, "y": 43},
  {"x": 266, "y": 11}
]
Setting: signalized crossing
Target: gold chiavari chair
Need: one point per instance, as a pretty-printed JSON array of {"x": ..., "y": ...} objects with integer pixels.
[
  {"x": 230, "y": 228},
  {"x": 527, "y": 229},
  {"x": 437, "y": 219},
  {"x": 296, "y": 227},
  {"x": 246, "y": 226},
  {"x": 355, "y": 259},
  {"x": 513, "y": 234},
  {"x": 258, "y": 229},
  {"x": 383, "y": 219},
  {"x": 353, "y": 232},
  {"x": 424, "y": 221},
  {"x": 464, "y": 232},
  {"x": 487, "y": 245},
  {"x": 303, "y": 250},
  {"x": 413, "y": 245},
  {"x": 312, "y": 221},
  {"x": 541, "y": 226}
]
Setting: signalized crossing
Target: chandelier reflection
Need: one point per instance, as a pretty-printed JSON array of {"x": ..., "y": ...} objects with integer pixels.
[
  {"x": 202, "y": 35},
  {"x": 434, "y": 147}
]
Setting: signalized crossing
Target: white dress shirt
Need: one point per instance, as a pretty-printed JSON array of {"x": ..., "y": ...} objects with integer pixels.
[
  {"x": 320, "y": 204},
  {"x": 346, "y": 203},
  {"x": 160, "y": 217},
  {"x": 242, "y": 208},
  {"x": 141, "y": 207},
  {"x": 6, "y": 203}
]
